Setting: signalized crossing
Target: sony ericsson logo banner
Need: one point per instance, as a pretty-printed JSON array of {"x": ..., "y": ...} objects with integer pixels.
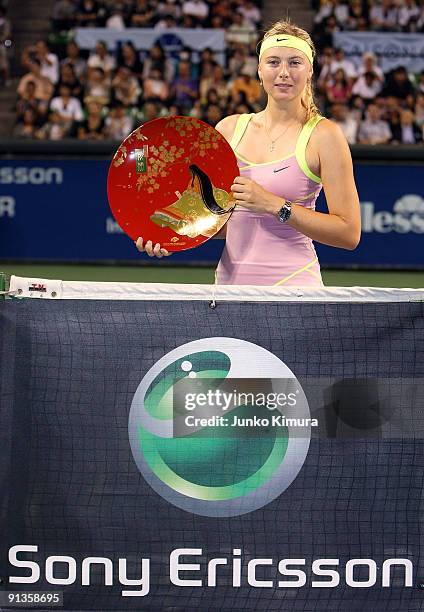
[{"x": 219, "y": 427}]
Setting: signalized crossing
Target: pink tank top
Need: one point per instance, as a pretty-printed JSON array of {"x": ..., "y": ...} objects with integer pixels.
[{"x": 259, "y": 249}]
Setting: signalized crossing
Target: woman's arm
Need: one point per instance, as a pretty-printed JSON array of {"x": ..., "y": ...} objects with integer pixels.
[
  {"x": 342, "y": 226},
  {"x": 222, "y": 234},
  {"x": 225, "y": 127}
]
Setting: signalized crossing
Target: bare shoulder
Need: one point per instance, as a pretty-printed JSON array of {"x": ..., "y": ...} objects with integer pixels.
[
  {"x": 328, "y": 133},
  {"x": 227, "y": 126}
]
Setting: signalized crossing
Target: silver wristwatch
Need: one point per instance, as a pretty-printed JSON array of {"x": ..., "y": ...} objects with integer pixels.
[{"x": 285, "y": 211}]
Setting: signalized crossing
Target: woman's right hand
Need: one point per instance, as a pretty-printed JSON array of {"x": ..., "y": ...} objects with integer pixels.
[{"x": 152, "y": 251}]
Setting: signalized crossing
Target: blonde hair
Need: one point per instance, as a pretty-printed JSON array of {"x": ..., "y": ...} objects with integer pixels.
[{"x": 285, "y": 26}]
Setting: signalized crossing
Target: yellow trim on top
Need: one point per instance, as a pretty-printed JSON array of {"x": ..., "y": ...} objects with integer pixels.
[
  {"x": 304, "y": 269},
  {"x": 275, "y": 161},
  {"x": 239, "y": 130},
  {"x": 306, "y": 197},
  {"x": 300, "y": 151},
  {"x": 303, "y": 140}
]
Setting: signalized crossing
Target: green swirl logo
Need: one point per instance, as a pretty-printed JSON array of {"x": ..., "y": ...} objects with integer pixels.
[{"x": 205, "y": 472}]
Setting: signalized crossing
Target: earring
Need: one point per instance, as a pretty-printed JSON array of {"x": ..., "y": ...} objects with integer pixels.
[{"x": 260, "y": 82}]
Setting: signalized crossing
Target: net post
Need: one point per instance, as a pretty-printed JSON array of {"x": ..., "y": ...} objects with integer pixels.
[{"x": 2, "y": 285}]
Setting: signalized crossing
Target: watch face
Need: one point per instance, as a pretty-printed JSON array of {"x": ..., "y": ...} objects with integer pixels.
[
  {"x": 284, "y": 212},
  {"x": 170, "y": 182}
]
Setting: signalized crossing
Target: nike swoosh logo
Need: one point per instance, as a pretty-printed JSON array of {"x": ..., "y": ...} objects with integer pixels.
[
  {"x": 279, "y": 169},
  {"x": 280, "y": 39}
]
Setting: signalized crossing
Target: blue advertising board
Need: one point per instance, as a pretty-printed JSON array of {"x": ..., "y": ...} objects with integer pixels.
[{"x": 58, "y": 210}]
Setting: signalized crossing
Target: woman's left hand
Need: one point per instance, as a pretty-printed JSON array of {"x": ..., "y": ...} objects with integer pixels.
[{"x": 251, "y": 195}]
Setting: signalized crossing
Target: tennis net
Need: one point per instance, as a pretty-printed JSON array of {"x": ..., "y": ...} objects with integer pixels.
[{"x": 324, "y": 517}]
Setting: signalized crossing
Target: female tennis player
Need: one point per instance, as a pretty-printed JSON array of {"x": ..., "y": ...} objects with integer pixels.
[{"x": 286, "y": 154}]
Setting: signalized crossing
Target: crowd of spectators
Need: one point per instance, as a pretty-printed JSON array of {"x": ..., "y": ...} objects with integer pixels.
[
  {"x": 363, "y": 16},
  {"x": 104, "y": 94},
  {"x": 67, "y": 92},
  {"x": 121, "y": 14},
  {"x": 5, "y": 45},
  {"x": 371, "y": 107}
]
